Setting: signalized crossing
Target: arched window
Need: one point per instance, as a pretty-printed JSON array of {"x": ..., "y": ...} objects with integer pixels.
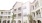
[
  {"x": 4, "y": 21},
  {"x": 8, "y": 21},
  {"x": 19, "y": 21},
  {"x": 39, "y": 21}
]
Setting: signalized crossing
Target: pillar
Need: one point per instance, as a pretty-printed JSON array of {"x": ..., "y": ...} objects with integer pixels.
[
  {"x": 16, "y": 21},
  {"x": 10, "y": 21},
  {"x": 41, "y": 21},
  {"x": 6, "y": 21},
  {"x": 36, "y": 21},
  {"x": 1, "y": 21}
]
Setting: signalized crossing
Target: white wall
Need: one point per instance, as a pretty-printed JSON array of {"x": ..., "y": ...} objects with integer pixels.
[{"x": 26, "y": 11}]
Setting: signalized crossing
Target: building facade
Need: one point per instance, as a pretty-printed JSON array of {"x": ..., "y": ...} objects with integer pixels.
[
  {"x": 18, "y": 10},
  {"x": 5, "y": 16},
  {"x": 36, "y": 11}
]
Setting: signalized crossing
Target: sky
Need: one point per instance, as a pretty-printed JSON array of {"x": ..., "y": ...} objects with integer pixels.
[{"x": 8, "y": 4}]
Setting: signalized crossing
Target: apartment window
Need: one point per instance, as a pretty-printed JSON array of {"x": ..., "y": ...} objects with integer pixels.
[
  {"x": 8, "y": 16},
  {"x": 33, "y": 7},
  {"x": 14, "y": 9},
  {"x": 34, "y": 14},
  {"x": 4, "y": 21},
  {"x": 5, "y": 13},
  {"x": 1, "y": 12},
  {"x": 19, "y": 8},
  {"x": 8, "y": 21},
  {"x": 9, "y": 13},
  {"x": 19, "y": 14},
  {"x": 37, "y": 13}
]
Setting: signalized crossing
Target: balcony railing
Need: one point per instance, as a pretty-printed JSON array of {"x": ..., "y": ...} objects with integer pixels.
[
  {"x": 38, "y": 16},
  {"x": 14, "y": 17},
  {"x": 19, "y": 17}
]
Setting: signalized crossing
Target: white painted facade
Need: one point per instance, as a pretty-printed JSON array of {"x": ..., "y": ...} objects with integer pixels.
[
  {"x": 5, "y": 16},
  {"x": 18, "y": 10},
  {"x": 36, "y": 10}
]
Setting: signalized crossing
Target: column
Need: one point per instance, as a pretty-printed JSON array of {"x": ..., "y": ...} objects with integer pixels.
[
  {"x": 1, "y": 21},
  {"x": 36, "y": 21},
  {"x": 27, "y": 21},
  {"x": 16, "y": 21},
  {"x": 41, "y": 21},
  {"x": 10, "y": 21},
  {"x": 6, "y": 21}
]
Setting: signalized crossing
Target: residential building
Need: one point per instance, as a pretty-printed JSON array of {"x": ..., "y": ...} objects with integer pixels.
[
  {"x": 5, "y": 16},
  {"x": 26, "y": 12},
  {"x": 36, "y": 11},
  {"x": 21, "y": 14},
  {"x": 18, "y": 10}
]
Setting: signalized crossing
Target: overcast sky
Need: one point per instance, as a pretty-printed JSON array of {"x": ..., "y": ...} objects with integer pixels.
[{"x": 7, "y": 4}]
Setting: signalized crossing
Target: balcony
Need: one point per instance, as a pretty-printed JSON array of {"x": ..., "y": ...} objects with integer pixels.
[
  {"x": 38, "y": 16},
  {"x": 19, "y": 17}
]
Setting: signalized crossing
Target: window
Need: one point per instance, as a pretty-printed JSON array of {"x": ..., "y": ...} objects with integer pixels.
[
  {"x": 19, "y": 14},
  {"x": 34, "y": 14},
  {"x": 9, "y": 13},
  {"x": 19, "y": 8},
  {"x": 1, "y": 12},
  {"x": 8, "y": 16},
  {"x": 5, "y": 13},
  {"x": 8, "y": 21},
  {"x": 4, "y": 21},
  {"x": 33, "y": 7},
  {"x": 14, "y": 9}
]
